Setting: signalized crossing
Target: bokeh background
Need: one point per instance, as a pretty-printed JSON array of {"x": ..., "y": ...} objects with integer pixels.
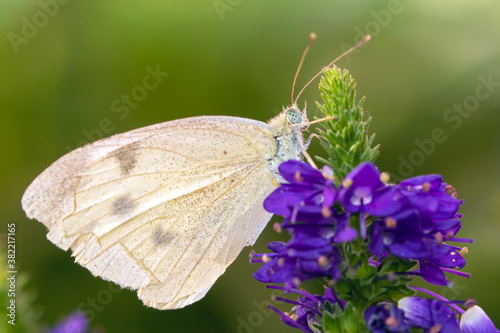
[{"x": 64, "y": 64}]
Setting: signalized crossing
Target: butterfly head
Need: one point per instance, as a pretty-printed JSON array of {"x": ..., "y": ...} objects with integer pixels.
[{"x": 295, "y": 117}]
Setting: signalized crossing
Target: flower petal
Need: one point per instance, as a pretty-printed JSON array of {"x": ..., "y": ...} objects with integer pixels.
[
  {"x": 475, "y": 320},
  {"x": 416, "y": 311},
  {"x": 434, "y": 180},
  {"x": 433, "y": 274},
  {"x": 429, "y": 314},
  {"x": 385, "y": 202},
  {"x": 297, "y": 172}
]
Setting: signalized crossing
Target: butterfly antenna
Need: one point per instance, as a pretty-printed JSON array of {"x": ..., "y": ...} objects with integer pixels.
[
  {"x": 361, "y": 43},
  {"x": 312, "y": 38}
]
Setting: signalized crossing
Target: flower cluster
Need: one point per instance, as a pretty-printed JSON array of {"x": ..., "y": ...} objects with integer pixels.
[
  {"x": 414, "y": 221},
  {"x": 312, "y": 250},
  {"x": 410, "y": 220},
  {"x": 417, "y": 231}
]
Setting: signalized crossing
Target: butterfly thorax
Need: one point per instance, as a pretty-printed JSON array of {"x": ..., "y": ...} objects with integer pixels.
[{"x": 288, "y": 138}]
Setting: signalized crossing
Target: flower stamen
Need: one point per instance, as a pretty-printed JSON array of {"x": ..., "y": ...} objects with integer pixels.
[
  {"x": 347, "y": 183},
  {"x": 326, "y": 211},
  {"x": 385, "y": 177},
  {"x": 281, "y": 262},
  {"x": 323, "y": 261},
  {"x": 439, "y": 237},
  {"x": 392, "y": 322},
  {"x": 451, "y": 191},
  {"x": 390, "y": 222},
  {"x": 436, "y": 328},
  {"x": 469, "y": 303},
  {"x": 298, "y": 177}
]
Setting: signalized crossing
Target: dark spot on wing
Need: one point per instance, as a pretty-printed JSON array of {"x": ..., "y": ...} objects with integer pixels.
[
  {"x": 225, "y": 152},
  {"x": 123, "y": 205},
  {"x": 160, "y": 237},
  {"x": 127, "y": 159}
]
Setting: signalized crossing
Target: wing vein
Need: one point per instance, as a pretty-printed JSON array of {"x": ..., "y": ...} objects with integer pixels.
[
  {"x": 158, "y": 172},
  {"x": 145, "y": 195},
  {"x": 197, "y": 207},
  {"x": 209, "y": 244},
  {"x": 251, "y": 193}
]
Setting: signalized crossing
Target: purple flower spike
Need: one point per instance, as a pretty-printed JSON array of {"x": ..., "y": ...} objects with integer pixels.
[
  {"x": 475, "y": 320},
  {"x": 429, "y": 314}
]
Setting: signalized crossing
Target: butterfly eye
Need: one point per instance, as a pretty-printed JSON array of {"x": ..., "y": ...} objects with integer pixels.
[{"x": 294, "y": 116}]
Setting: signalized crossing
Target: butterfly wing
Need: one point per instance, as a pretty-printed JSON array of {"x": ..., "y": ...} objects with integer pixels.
[{"x": 163, "y": 209}]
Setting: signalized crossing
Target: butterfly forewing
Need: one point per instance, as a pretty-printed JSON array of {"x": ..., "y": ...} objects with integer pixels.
[{"x": 163, "y": 209}]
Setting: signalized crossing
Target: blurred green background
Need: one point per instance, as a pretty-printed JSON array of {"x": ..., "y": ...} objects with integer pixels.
[{"x": 61, "y": 72}]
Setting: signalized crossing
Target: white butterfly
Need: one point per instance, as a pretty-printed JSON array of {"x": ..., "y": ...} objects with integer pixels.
[{"x": 165, "y": 209}]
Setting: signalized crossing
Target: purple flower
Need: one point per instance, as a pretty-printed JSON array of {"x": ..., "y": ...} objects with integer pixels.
[
  {"x": 363, "y": 189},
  {"x": 431, "y": 315},
  {"x": 315, "y": 226},
  {"x": 75, "y": 323},
  {"x": 307, "y": 191},
  {"x": 475, "y": 320},
  {"x": 410, "y": 236},
  {"x": 363, "y": 192},
  {"x": 310, "y": 253},
  {"x": 385, "y": 318},
  {"x": 306, "y": 310},
  {"x": 431, "y": 196}
]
